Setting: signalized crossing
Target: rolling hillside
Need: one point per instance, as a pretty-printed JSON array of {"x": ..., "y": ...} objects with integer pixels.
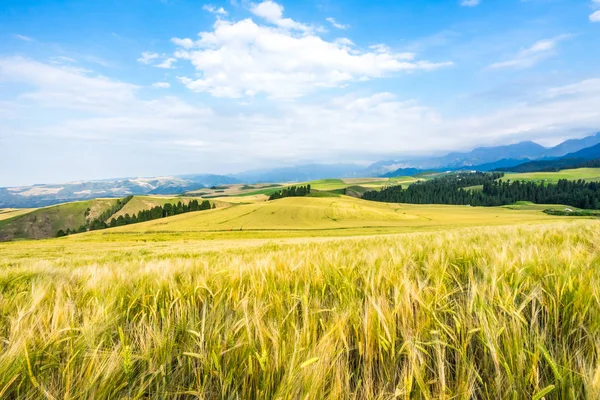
[
  {"x": 586, "y": 174},
  {"x": 45, "y": 222},
  {"x": 139, "y": 203},
  {"x": 342, "y": 215},
  {"x": 6, "y": 213}
]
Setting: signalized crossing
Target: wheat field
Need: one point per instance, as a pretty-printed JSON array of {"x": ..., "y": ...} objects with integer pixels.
[{"x": 486, "y": 313}]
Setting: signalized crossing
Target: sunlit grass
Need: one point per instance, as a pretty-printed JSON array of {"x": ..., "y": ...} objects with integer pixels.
[{"x": 508, "y": 312}]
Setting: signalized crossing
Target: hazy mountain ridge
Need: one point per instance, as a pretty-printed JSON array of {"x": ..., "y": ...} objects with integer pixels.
[
  {"x": 481, "y": 158},
  {"x": 45, "y": 195},
  {"x": 490, "y": 158}
]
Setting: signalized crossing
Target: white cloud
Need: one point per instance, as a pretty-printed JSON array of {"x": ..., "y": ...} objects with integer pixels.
[
  {"x": 167, "y": 63},
  {"x": 469, "y": 3},
  {"x": 336, "y": 24},
  {"x": 595, "y": 17},
  {"x": 23, "y": 38},
  {"x": 530, "y": 56},
  {"x": 212, "y": 9},
  {"x": 185, "y": 43},
  {"x": 273, "y": 13},
  {"x": 243, "y": 59},
  {"x": 66, "y": 87},
  {"x": 344, "y": 128},
  {"x": 161, "y": 85},
  {"x": 147, "y": 57}
]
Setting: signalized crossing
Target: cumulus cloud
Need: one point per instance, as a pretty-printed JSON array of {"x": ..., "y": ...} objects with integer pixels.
[
  {"x": 244, "y": 58},
  {"x": 167, "y": 63},
  {"x": 336, "y": 24},
  {"x": 532, "y": 55},
  {"x": 186, "y": 43},
  {"x": 273, "y": 13},
  {"x": 595, "y": 16},
  {"x": 212, "y": 9},
  {"x": 345, "y": 128},
  {"x": 469, "y": 3}
]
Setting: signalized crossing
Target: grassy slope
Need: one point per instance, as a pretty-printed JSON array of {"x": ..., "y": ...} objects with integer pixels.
[
  {"x": 588, "y": 174},
  {"x": 45, "y": 222},
  {"x": 139, "y": 203},
  {"x": 307, "y": 216},
  {"x": 6, "y": 213},
  {"x": 471, "y": 313}
]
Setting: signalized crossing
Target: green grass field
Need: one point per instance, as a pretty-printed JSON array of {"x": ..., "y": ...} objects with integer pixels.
[{"x": 586, "y": 174}]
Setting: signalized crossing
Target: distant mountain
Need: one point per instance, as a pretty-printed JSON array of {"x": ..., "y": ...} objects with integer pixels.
[
  {"x": 301, "y": 173},
  {"x": 45, "y": 195},
  {"x": 403, "y": 172},
  {"x": 456, "y": 160},
  {"x": 573, "y": 145},
  {"x": 497, "y": 165},
  {"x": 485, "y": 157},
  {"x": 590, "y": 153},
  {"x": 584, "y": 158}
]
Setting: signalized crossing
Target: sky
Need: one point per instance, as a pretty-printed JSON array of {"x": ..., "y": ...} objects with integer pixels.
[{"x": 122, "y": 88}]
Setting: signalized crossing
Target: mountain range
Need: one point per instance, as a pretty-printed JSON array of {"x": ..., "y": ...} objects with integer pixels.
[
  {"x": 502, "y": 157},
  {"x": 488, "y": 158}
]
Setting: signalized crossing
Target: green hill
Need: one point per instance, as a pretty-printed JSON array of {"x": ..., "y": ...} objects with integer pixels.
[
  {"x": 140, "y": 203},
  {"x": 45, "y": 222},
  {"x": 6, "y": 213},
  {"x": 586, "y": 174}
]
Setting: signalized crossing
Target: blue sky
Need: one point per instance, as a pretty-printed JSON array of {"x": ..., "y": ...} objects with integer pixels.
[{"x": 92, "y": 89}]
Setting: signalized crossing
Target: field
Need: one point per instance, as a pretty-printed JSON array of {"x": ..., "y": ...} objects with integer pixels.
[
  {"x": 586, "y": 174},
  {"x": 307, "y": 298},
  {"x": 309, "y": 216},
  {"x": 465, "y": 313}
]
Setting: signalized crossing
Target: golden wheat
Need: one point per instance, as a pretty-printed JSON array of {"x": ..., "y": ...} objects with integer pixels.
[{"x": 503, "y": 312}]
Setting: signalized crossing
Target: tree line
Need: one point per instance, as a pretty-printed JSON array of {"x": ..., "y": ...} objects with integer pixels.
[
  {"x": 166, "y": 210},
  {"x": 494, "y": 192},
  {"x": 292, "y": 191}
]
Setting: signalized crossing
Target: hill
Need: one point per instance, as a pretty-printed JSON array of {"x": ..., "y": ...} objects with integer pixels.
[
  {"x": 139, "y": 203},
  {"x": 586, "y": 174},
  {"x": 45, "y": 222},
  {"x": 6, "y": 213},
  {"x": 302, "y": 216}
]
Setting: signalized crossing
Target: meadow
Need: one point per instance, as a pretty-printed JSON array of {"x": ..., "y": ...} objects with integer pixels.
[
  {"x": 475, "y": 312},
  {"x": 586, "y": 174},
  {"x": 307, "y": 298}
]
